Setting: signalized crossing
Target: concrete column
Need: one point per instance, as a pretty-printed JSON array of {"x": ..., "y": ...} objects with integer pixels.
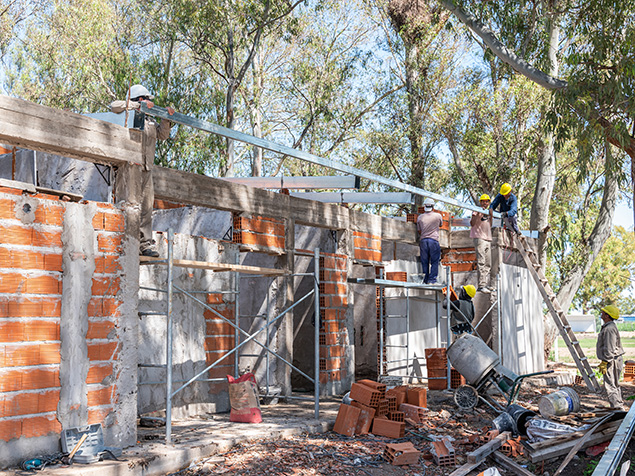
[
  {"x": 128, "y": 195},
  {"x": 287, "y": 297},
  {"x": 345, "y": 246}
]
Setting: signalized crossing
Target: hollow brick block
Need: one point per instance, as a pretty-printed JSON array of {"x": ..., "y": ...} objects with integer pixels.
[
  {"x": 365, "y": 420},
  {"x": 388, "y": 428},
  {"x": 418, "y": 397},
  {"x": 346, "y": 420}
]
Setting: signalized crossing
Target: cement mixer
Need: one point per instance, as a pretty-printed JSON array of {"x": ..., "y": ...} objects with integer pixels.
[{"x": 482, "y": 370}]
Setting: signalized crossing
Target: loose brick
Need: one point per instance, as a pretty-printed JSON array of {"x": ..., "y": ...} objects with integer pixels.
[
  {"x": 388, "y": 428},
  {"x": 380, "y": 387},
  {"x": 365, "y": 420},
  {"x": 418, "y": 397},
  {"x": 399, "y": 454},
  {"x": 346, "y": 420},
  {"x": 365, "y": 395},
  {"x": 414, "y": 413}
]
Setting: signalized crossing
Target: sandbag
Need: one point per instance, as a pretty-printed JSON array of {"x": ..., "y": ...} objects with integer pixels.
[{"x": 243, "y": 398}]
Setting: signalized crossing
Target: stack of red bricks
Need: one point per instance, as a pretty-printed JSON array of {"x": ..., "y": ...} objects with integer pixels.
[
  {"x": 437, "y": 365},
  {"x": 629, "y": 371},
  {"x": 260, "y": 231},
  {"x": 459, "y": 259},
  {"x": 219, "y": 339},
  {"x": 367, "y": 247},
  {"x": 333, "y": 305},
  {"x": 379, "y": 411}
]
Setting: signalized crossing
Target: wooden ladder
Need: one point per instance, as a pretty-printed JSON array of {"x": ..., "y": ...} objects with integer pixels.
[{"x": 557, "y": 313}]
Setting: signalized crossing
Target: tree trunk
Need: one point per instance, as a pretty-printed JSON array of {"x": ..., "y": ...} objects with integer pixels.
[
  {"x": 539, "y": 218},
  {"x": 591, "y": 245},
  {"x": 415, "y": 109},
  {"x": 256, "y": 165}
]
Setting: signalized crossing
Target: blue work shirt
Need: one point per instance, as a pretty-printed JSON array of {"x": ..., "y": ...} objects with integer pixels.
[{"x": 509, "y": 205}]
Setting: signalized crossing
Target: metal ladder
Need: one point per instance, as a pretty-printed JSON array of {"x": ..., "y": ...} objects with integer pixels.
[{"x": 557, "y": 313}]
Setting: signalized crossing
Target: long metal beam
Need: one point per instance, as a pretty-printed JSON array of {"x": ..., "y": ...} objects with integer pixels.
[
  {"x": 613, "y": 455},
  {"x": 322, "y": 182},
  {"x": 299, "y": 154},
  {"x": 355, "y": 197}
]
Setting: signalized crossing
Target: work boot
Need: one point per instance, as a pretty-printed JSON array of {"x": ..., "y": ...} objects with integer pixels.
[{"x": 150, "y": 251}]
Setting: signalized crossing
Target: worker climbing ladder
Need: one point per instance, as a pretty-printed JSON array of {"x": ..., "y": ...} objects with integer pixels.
[{"x": 556, "y": 311}]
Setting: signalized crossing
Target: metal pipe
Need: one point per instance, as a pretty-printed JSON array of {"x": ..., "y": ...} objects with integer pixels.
[
  {"x": 613, "y": 455},
  {"x": 251, "y": 337},
  {"x": 153, "y": 289},
  {"x": 179, "y": 118},
  {"x": 268, "y": 341},
  {"x": 381, "y": 327},
  {"x": 499, "y": 316},
  {"x": 449, "y": 331},
  {"x": 158, "y": 366},
  {"x": 236, "y": 315},
  {"x": 316, "y": 332},
  {"x": 168, "y": 392}
]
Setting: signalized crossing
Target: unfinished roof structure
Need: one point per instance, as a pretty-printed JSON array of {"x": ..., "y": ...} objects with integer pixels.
[{"x": 83, "y": 334}]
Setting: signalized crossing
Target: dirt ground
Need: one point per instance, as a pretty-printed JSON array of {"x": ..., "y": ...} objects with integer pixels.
[{"x": 332, "y": 454}]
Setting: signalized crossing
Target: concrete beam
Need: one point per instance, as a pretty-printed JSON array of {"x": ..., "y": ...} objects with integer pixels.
[{"x": 32, "y": 126}]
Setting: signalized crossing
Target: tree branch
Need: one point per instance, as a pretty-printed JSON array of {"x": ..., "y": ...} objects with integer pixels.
[{"x": 505, "y": 55}]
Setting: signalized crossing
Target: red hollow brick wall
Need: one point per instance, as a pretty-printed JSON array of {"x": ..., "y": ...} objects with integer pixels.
[
  {"x": 260, "y": 231},
  {"x": 367, "y": 247},
  {"x": 219, "y": 340},
  {"x": 30, "y": 313}
]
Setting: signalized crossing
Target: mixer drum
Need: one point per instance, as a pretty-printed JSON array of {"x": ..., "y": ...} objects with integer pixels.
[{"x": 471, "y": 357}]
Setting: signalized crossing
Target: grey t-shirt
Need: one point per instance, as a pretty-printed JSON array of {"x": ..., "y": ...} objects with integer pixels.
[{"x": 428, "y": 224}]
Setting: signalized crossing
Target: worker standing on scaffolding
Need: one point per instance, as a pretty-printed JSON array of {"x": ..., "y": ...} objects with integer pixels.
[
  {"x": 507, "y": 204},
  {"x": 428, "y": 225},
  {"x": 610, "y": 351},
  {"x": 462, "y": 310},
  {"x": 481, "y": 233},
  {"x": 151, "y": 132}
]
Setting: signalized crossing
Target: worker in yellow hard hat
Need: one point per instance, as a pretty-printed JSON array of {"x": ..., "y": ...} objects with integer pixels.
[
  {"x": 462, "y": 309},
  {"x": 481, "y": 233},
  {"x": 507, "y": 204},
  {"x": 610, "y": 351}
]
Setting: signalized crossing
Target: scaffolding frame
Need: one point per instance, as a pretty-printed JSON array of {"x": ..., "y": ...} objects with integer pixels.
[{"x": 171, "y": 289}]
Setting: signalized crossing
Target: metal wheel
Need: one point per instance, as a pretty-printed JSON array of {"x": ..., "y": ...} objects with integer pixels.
[{"x": 466, "y": 397}]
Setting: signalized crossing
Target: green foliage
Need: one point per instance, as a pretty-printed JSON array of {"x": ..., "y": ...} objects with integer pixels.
[{"x": 611, "y": 274}]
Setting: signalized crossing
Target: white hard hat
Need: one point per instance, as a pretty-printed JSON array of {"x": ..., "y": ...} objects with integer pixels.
[
  {"x": 137, "y": 91},
  {"x": 428, "y": 203}
]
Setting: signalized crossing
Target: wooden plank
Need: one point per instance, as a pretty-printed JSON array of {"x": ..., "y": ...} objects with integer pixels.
[
  {"x": 465, "y": 469},
  {"x": 217, "y": 267},
  {"x": 563, "y": 448},
  {"x": 32, "y": 126},
  {"x": 488, "y": 448},
  {"x": 509, "y": 464}
]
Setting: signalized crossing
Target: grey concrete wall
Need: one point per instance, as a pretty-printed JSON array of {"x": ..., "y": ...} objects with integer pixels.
[
  {"x": 189, "y": 326},
  {"x": 57, "y": 173}
]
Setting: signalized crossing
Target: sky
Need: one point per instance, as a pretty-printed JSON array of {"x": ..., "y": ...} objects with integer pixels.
[{"x": 623, "y": 215}]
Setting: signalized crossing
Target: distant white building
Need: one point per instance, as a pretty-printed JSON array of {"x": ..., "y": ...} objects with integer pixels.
[{"x": 582, "y": 322}]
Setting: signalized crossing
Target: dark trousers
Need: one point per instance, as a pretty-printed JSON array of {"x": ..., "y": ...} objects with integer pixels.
[{"x": 430, "y": 256}]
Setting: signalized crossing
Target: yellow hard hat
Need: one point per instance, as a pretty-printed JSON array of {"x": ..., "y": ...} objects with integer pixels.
[
  {"x": 470, "y": 290},
  {"x": 485, "y": 197},
  {"x": 612, "y": 311},
  {"x": 505, "y": 189}
]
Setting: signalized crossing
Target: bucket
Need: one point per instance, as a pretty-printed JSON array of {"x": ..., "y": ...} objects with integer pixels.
[
  {"x": 504, "y": 422},
  {"x": 559, "y": 403},
  {"x": 520, "y": 416}
]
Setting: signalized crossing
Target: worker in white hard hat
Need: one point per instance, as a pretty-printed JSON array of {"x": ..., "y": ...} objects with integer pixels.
[
  {"x": 462, "y": 309},
  {"x": 481, "y": 233},
  {"x": 152, "y": 131},
  {"x": 507, "y": 204},
  {"x": 428, "y": 224},
  {"x": 610, "y": 351}
]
